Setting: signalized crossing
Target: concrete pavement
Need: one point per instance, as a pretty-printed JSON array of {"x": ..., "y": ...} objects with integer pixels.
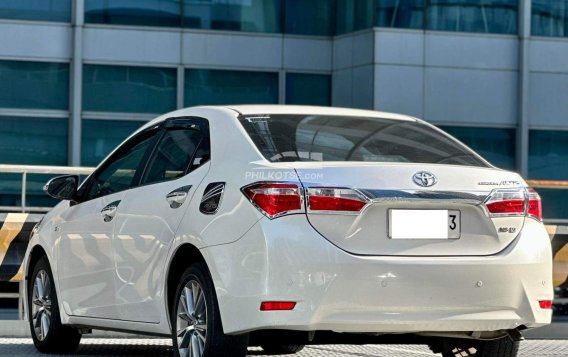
[{"x": 19, "y": 347}]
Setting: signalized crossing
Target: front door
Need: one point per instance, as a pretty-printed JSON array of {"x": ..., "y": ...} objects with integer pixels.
[{"x": 86, "y": 261}]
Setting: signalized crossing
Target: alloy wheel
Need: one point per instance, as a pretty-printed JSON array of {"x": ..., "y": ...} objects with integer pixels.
[
  {"x": 191, "y": 320},
  {"x": 41, "y": 307}
]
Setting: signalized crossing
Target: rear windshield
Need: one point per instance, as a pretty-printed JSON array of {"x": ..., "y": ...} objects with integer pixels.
[{"x": 288, "y": 138}]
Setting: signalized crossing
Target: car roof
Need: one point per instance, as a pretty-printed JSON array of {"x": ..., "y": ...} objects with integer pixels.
[
  {"x": 274, "y": 109},
  {"x": 314, "y": 110}
]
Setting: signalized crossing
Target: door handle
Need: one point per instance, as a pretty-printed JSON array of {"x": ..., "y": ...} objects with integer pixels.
[
  {"x": 109, "y": 211},
  {"x": 177, "y": 197}
]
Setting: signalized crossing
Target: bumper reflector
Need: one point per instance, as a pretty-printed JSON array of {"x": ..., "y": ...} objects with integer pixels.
[
  {"x": 545, "y": 304},
  {"x": 277, "y": 305}
]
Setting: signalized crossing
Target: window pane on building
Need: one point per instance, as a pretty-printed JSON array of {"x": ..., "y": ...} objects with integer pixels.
[
  {"x": 36, "y": 10},
  {"x": 354, "y": 15},
  {"x": 554, "y": 203},
  {"x": 400, "y": 13},
  {"x": 548, "y": 160},
  {"x": 100, "y": 137},
  {"x": 46, "y": 144},
  {"x": 207, "y": 87},
  {"x": 34, "y": 85},
  {"x": 129, "y": 89},
  {"x": 548, "y": 155},
  {"x": 134, "y": 12},
  {"x": 308, "y": 89},
  {"x": 234, "y": 15},
  {"x": 550, "y": 18},
  {"x": 489, "y": 16},
  {"x": 312, "y": 17},
  {"x": 495, "y": 145}
]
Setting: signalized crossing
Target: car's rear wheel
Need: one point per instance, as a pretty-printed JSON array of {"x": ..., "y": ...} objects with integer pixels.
[
  {"x": 48, "y": 334},
  {"x": 197, "y": 329},
  {"x": 275, "y": 349},
  {"x": 503, "y": 347}
]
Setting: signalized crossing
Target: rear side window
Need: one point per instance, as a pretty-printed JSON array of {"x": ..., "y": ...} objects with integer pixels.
[
  {"x": 288, "y": 138},
  {"x": 173, "y": 155}
]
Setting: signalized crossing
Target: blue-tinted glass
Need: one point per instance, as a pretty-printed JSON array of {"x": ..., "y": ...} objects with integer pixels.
[
  {"x": 308, "y": 89},
  {"x": 134, "y": 12},
  {"x": 554, "y": 203},
  {"x": 550, "y": 18},
  {"x": 353, "y": 15},
  {"x": 400, "y": 13},
  {"x": 204, "y": 86},
  {"x": 548, "y": 155},
  {"x": 30, "y": 141},
  {"x": 312, "y": 17},
  {"x": 100, "y": 137},
  {"x": 38, "y": 10},
  {"x": 34, "y": 85},
  {"x": 495, "y": 145},
  {"x": 129, "y": 89},
  {"x": 488, "y": 16},
  {"x": 233, "y": 15}
]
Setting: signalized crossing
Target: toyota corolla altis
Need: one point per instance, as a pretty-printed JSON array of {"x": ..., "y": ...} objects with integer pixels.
[{"x": 285, "y": 226}]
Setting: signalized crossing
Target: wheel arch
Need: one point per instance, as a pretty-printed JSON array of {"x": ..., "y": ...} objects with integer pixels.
[
  {"x": 35, "y": 254},
  {"x": 185, "y": 255}
]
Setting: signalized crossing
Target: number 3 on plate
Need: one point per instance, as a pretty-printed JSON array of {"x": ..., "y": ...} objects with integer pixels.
[{"x": 453, "y": 224}]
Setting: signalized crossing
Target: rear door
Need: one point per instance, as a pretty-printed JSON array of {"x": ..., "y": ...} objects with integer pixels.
[{"x": 151, "y": 213}]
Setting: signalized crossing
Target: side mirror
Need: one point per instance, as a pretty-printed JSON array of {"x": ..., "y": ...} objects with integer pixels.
[{"x": 62, "y": 187}]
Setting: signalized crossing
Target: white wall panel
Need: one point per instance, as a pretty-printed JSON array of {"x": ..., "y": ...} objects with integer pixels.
[
  {"x": 399, "y": 47},
  {"x": 548, "y": 100},
  {"x": 363, "y": 87},
  {"x": 477, "y": 97},
  {"x": 307, "y": 54},
  {"x": 399, "y": 89},
  {"x": 129, "y": 45},
  {"x": 35, "y": 41},
  {"x": 471, "y": 51},
  {"x": 232, "y": 50},
  {"x": 341, "y": 94},
  {"x": 550, "y": 55}
]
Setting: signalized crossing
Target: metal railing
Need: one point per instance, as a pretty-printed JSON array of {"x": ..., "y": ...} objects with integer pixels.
[{"x": 24, "y": 170}]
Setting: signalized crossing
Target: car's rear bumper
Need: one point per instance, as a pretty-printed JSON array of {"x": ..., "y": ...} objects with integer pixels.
[{"x": 286, "y": 260}]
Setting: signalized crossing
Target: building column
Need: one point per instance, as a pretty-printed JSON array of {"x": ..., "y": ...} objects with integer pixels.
[
  {"x": 522, "y": 148},
  {"x": 180, "y": 86},
  {"x": 76, "y": 85}
]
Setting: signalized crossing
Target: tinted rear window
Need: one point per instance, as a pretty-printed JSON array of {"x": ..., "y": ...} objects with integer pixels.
[{"x": 290, "y": 138}]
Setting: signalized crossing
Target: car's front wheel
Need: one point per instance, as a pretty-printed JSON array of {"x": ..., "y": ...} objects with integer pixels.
[
  {"x": 48, "y": 334},
  {"x": 197, "y": 329},
  {"x": 503, "y": 347}
]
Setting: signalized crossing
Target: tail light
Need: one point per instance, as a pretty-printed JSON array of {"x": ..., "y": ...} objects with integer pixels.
[
  {"x": 333, "y": 199},
  {"x": 275, "y": 199},
  {"x": 514, "y": 202},
  {"x": 535, "y": 204}
]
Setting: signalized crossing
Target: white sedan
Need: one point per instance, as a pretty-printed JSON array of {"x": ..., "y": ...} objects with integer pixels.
[{"x": 285, "y": 226}]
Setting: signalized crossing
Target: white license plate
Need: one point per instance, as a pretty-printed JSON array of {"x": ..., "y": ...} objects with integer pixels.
[{"x": 424, "y": 224}]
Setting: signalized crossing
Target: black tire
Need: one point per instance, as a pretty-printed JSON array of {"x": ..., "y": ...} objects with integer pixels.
[
  {"x": 273, "y": 349},
  {"x": 44, "y": 312},
  {"x": 216, "y": 344},
  {"x": 503, "y": 347}
]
